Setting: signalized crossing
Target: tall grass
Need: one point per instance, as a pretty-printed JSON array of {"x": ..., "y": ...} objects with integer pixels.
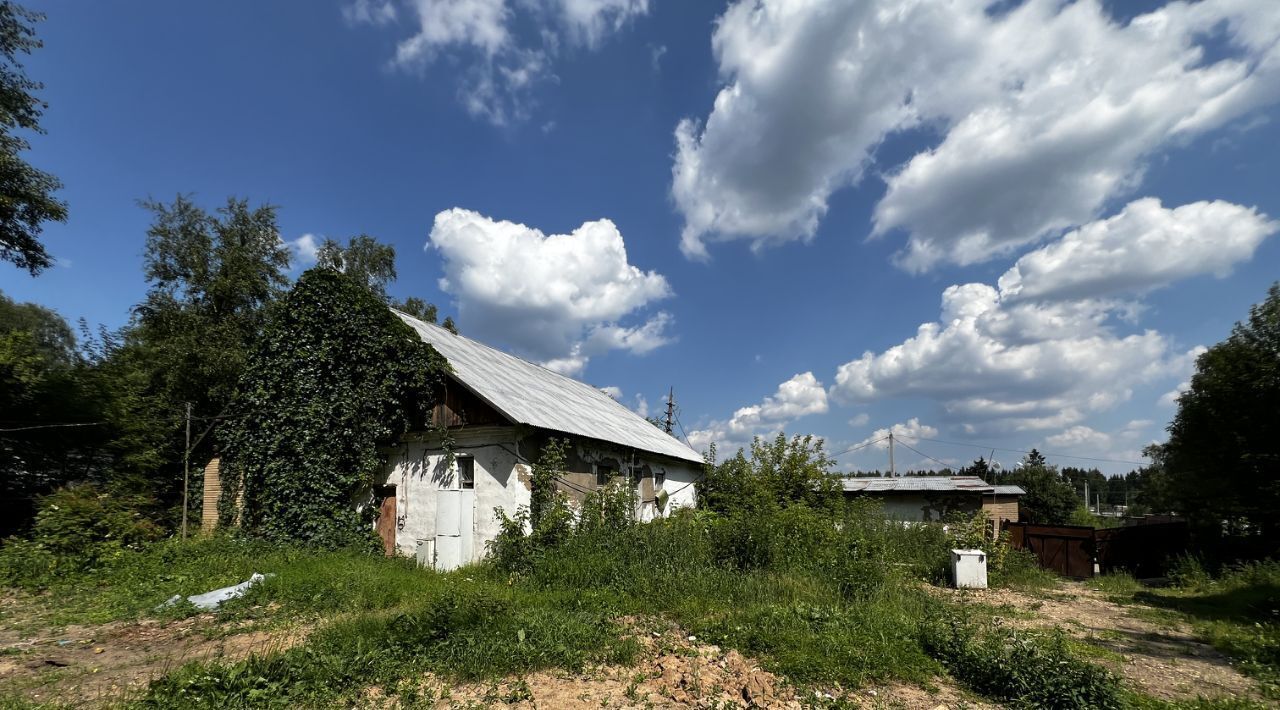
[
  {"x": 136, "y": 584},
  {"x": 831, "y": 596}
]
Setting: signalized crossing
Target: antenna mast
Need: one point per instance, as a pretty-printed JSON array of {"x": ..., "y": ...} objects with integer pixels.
[{"x": 669, "y": 423}]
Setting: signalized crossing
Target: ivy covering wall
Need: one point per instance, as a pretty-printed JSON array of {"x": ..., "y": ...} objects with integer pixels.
[{"x": 335, "y": 376}]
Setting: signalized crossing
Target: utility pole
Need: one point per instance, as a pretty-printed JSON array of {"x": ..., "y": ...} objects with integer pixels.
[
  {"x": 893, "y": 471},
  {"x": 669, "y": 424},
  {"x": 1086, "y": 494},
  {"x": 186, "y": 473}
]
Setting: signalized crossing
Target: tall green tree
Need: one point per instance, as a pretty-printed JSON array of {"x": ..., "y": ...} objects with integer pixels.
[
  {"x": 50, "y": 410},
  {"x": 27, "y": 199},
  {"x": 1223, "y": 453},
  {"x": 211, "y": 276},
  {"x": 373, "y": 264},
  {"x": 364, "y": 259},
  {"x": 1049, "y": 498},
  {"x": 779, "y": 472}
]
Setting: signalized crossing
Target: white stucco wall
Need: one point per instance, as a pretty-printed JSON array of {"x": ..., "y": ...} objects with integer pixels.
[{"x": 416, "y": 469}]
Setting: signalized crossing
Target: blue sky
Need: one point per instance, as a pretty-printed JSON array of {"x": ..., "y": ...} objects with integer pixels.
[{"x": 1068, "y": 198}]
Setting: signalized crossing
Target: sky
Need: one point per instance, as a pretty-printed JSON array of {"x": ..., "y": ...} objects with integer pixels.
[{"x": 987, "y": 226}]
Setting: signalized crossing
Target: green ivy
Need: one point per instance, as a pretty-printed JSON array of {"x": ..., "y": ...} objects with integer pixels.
[{"x": 336, "y": 377}]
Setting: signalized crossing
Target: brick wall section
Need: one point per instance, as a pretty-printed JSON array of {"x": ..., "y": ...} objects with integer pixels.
[{"x": 212, "y": 491}]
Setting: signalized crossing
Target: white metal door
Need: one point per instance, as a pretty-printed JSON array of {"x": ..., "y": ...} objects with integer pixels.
[{"x": 454, "y": 525}]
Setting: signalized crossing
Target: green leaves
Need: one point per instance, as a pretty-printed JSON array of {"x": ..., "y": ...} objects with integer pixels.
[
  {"x": 1223, "y": 453},
  {"x": 26, "y": 200},
  {"x": 335, "y": 376}
]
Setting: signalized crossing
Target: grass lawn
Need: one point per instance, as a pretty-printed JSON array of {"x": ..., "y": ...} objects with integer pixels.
[{"x": 826, "y": 605}]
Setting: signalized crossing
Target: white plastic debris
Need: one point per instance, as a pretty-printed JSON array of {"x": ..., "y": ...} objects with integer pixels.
[{"x": 211, "y": 600}]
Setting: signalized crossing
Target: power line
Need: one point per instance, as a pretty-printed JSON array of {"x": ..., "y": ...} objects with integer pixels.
[
  {"x": 859, "y": 447},
  {"x": 945, "y": 465},
  {"x": 54, "y": 426}
]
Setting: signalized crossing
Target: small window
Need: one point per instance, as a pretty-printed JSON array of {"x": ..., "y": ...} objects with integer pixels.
[
  {"x": 466, "y": 472},
  {"x": 659, "y": 478},
  {"x": 637, "y": 473},
  {"x": 603, "y": 474}
]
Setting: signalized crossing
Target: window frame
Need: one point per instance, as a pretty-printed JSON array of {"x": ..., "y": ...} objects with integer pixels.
[{"x": 466, "y": 473}]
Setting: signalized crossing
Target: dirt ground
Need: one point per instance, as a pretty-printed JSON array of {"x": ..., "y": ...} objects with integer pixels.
[
  {"x": 1162, "y": 659},
  {"x": 94, "y": 665},
  {"x": 673, "y": 671},
  {"x": 91, "y": 666}
]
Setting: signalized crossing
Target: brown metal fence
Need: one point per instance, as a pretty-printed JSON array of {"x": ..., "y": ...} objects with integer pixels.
[{"x": 1072, "y": 551}]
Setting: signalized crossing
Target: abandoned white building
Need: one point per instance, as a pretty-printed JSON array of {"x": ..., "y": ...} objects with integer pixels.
[{"x": 498, "y": 410}]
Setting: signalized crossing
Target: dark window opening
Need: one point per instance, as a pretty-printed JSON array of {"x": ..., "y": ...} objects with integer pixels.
[
  {"x": 603, "y": 474},
  {"x": 659, "y": 478},
  {"x": 467, "y": 472},
  {"x": 637, "y": 473}
]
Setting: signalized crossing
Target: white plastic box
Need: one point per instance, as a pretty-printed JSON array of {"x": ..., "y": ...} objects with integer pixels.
[{"x": 969, "y": 569}]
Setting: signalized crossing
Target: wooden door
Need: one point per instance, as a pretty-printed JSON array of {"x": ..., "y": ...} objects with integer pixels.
[{"x": 386, "y": 525}]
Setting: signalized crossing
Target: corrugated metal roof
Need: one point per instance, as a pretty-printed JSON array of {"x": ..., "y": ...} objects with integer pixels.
[
  {"x": 1010, "y": 491},
  {"x": 531, "y": 394},
  {"x": 910, "y": 484}
]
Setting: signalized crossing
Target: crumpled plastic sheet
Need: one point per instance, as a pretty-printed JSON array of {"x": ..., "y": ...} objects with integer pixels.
[{"x": 211, "y": 600}]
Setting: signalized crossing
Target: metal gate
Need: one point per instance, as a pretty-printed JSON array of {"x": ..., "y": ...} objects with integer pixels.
[
  {"x": 1065, "y": 549},
  {"x": 1071, "y": 550}
]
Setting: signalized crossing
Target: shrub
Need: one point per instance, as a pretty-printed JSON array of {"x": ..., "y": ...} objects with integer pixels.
[
  {"x": 1188, "y": 571},
  {"x": 76, "y": 529},
  {"x": 1028, "y": 669}
]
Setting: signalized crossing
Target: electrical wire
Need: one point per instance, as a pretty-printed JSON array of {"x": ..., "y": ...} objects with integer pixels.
[
  {"x": 860, "y": 447},
  {"x": 54, "y": 426},
  {"x": 918, "y": 451}
]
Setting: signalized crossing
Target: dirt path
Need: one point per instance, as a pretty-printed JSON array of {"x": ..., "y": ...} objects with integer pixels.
[
  {"x": 1161, "y": 658},
  {"x": 92, "y": 665}
]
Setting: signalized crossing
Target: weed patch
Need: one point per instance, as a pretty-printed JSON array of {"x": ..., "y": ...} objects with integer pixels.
[{"x": 1028, "y": 669}]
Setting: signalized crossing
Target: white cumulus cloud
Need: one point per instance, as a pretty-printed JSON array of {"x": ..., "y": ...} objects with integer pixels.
[
  {"x": 369, "y": 12},
  {"x": 1012, "y": 366},
  {"x": 1043, "y": 111},
  {"x": 503, "y": 48},
  {"x": 911, "y": 429},
  {"x": 303, "y": 250},
  {"x": 799, "y": 396},
  {"x": 1145, "y": 246},
  {"x": 558, "y": 299}
]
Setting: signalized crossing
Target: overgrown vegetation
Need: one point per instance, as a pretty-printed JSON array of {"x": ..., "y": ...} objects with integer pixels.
[
  {"x": 335, "y": 375},
  {"x": 1028, "y": 669},
  {"x": 827, "y": 595}
]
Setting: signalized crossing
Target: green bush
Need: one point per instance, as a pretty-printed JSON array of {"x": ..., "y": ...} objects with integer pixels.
[
  {"x": 1188, "y": 571},
  {"x": 1027, "y": 669},
  {"x": 77, "y": 529}
]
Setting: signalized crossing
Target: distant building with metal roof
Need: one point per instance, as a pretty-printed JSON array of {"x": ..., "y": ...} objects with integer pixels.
[
  {"x": 934, "y": 498},
  {"x": 496, "y": 413}
]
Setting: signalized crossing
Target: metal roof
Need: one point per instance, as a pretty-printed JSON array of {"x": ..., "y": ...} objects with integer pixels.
[
  {"x": 531, "y": 394},
  {"x": 914, "y": 484}
]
